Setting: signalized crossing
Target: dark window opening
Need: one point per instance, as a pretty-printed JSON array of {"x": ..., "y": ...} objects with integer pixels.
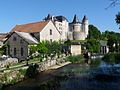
[
  {"x": 50, "y": 32},
  {"x": 14, "y": 38},
  {"x": 15, "y": 52},
  {"x": 22, "y": 51}
]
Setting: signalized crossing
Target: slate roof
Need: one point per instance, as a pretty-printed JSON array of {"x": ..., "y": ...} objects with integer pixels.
[
  {"x": 84, "y": 18},
  {"x": 60, "y": 18},
  {"x": 27, "y": 37},
  {"x": 75, "y": 19},
  {"x": 31, "y": 27}
]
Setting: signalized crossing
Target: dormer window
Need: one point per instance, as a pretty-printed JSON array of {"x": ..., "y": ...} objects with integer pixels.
[{"x": 50, "y": 32}]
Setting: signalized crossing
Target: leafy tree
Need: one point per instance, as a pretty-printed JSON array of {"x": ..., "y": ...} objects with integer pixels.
[
  {"x": 41, "y": 48},
  {"x": 112, "y": 38},
  {"x": 68, "y": 42},
  {"x": 33, "y": 49},
  {"x": 93, "y": 45},
  {"x": 94, "y": 33},
  {"x": 46, "y": 48},
  {"x": 93, "y": 39},
  {"x": 117, "y": 19},
  {"x": 3, "y": 50}
]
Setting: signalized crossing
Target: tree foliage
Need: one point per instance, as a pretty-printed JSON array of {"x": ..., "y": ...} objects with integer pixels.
[
  {"x": 93, "y": 39},
  {"x": 47, "y": 48},
  {"x": 32, "y": 71},
  {"x": 93, "y": 45},
  {"x": 117, "y": 19},
  {"x": 112, "y": 38},
  {"x": 94, "y": 32}
]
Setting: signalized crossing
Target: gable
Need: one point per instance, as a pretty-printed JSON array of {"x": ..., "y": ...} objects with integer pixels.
[{"x": 21, "y": 36}]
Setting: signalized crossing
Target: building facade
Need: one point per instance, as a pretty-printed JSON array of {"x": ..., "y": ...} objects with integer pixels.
[
  {"x": 52, "y": 28},
  {"x": 75, "y": 30},
  {"x": 22, "y": 36}
]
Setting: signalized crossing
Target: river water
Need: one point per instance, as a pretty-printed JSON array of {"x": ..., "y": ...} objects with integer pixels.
[{"x": 97, "y": 76}]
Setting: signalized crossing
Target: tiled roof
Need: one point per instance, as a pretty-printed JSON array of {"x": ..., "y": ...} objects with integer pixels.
[{"x": 31, "y": 27}]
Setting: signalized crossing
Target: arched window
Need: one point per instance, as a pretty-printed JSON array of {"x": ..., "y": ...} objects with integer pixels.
[{"x": 22, "y": 51}]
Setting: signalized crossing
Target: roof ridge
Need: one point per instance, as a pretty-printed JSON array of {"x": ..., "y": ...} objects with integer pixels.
[{"x": 32, "y": 23}]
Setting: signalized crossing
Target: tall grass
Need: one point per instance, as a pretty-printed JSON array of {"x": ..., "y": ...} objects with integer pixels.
[{"x": 75, "y": 59}]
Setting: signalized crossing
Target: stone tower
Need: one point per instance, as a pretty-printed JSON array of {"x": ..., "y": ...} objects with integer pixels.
[
  {"x": 85, "y": 26},
  {"x": 75, "y": 28}
]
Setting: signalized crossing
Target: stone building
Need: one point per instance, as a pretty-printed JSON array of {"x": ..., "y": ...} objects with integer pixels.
[
  {"x": 75, "y": 30},
  {"x": 22, "y": 36},
  {"x": 78, "y": 30},
  {"x": 52, "y": 28},
  {"x": 103, "y": 47},
  {"x": 61, "y": 24}
]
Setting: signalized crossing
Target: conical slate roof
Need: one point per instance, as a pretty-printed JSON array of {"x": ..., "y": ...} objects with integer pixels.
[
  {"x": 84, "y": 18},
  {"x": 75, "y": 19}
]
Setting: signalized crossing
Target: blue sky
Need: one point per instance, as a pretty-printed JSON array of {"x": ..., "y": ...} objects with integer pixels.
[{"x": 13, "y": 12}]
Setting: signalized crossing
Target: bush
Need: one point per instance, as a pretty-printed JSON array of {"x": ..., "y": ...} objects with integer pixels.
[
  {"x": 112, "y": 58},
  {"x": 32, "y": 71},
  {"x": 75, "y": 59}
]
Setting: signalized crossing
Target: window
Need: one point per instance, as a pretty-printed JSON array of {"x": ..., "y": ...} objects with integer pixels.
[
  {"x": 14, "y": 38},
  {"x": 50, "y": 32},
  {"x": 21, "y": 41},
  {"x": 14, "y": 51},
  {"x": 22, "y": 51}
]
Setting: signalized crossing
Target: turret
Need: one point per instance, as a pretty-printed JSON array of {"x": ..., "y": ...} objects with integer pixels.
[
  {"x": 49, "y": 17},
  {"x": 76, "y": 28},
  {"x": 85, "y": 24},
  {"x": 76, "y": 24}
]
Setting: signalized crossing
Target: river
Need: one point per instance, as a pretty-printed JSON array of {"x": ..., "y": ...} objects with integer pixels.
[{"x": 97, "y": 76}]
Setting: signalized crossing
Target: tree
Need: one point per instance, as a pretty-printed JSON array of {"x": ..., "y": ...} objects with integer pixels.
[
  {"x": 94, "y": 33},
  {"x": 93, "y": 45},
  {"x": 112, "y": 38},
  {"x": 113, "y": 3},
  {"x": 117, "y": 19},
  {"x": 41, "y": 48}
]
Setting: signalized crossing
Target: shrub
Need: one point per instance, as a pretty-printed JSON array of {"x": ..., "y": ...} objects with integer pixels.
[
  {"x": 112, "y": 58},
  {"x": 32, "y": 71},
  {"x": 75, "y": 59}
]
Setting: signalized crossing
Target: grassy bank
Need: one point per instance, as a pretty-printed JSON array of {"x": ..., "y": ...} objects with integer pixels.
[
  {"x": 112, "y": 58},
  {"x": 75, "y": 59}
]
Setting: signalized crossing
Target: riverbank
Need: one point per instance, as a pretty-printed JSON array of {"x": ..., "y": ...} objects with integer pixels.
[
  {"x": 44, "y": 76},
  {"x": 71, "y": 77}
]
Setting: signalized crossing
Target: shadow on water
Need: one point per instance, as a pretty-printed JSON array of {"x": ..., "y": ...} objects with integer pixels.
[{"x": 96, "y": 76}]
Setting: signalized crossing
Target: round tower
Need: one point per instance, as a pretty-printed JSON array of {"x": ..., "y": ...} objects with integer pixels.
[
  {"x": 76, "y": 27},
  {"x": 85, "y": 24}
]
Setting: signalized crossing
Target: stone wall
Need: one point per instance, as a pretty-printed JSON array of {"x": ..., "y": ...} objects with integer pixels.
[
  {"x": 75, "y": 49},
  {"x": 14, "y": 75},
  {"x": 8, "y": 61}
]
